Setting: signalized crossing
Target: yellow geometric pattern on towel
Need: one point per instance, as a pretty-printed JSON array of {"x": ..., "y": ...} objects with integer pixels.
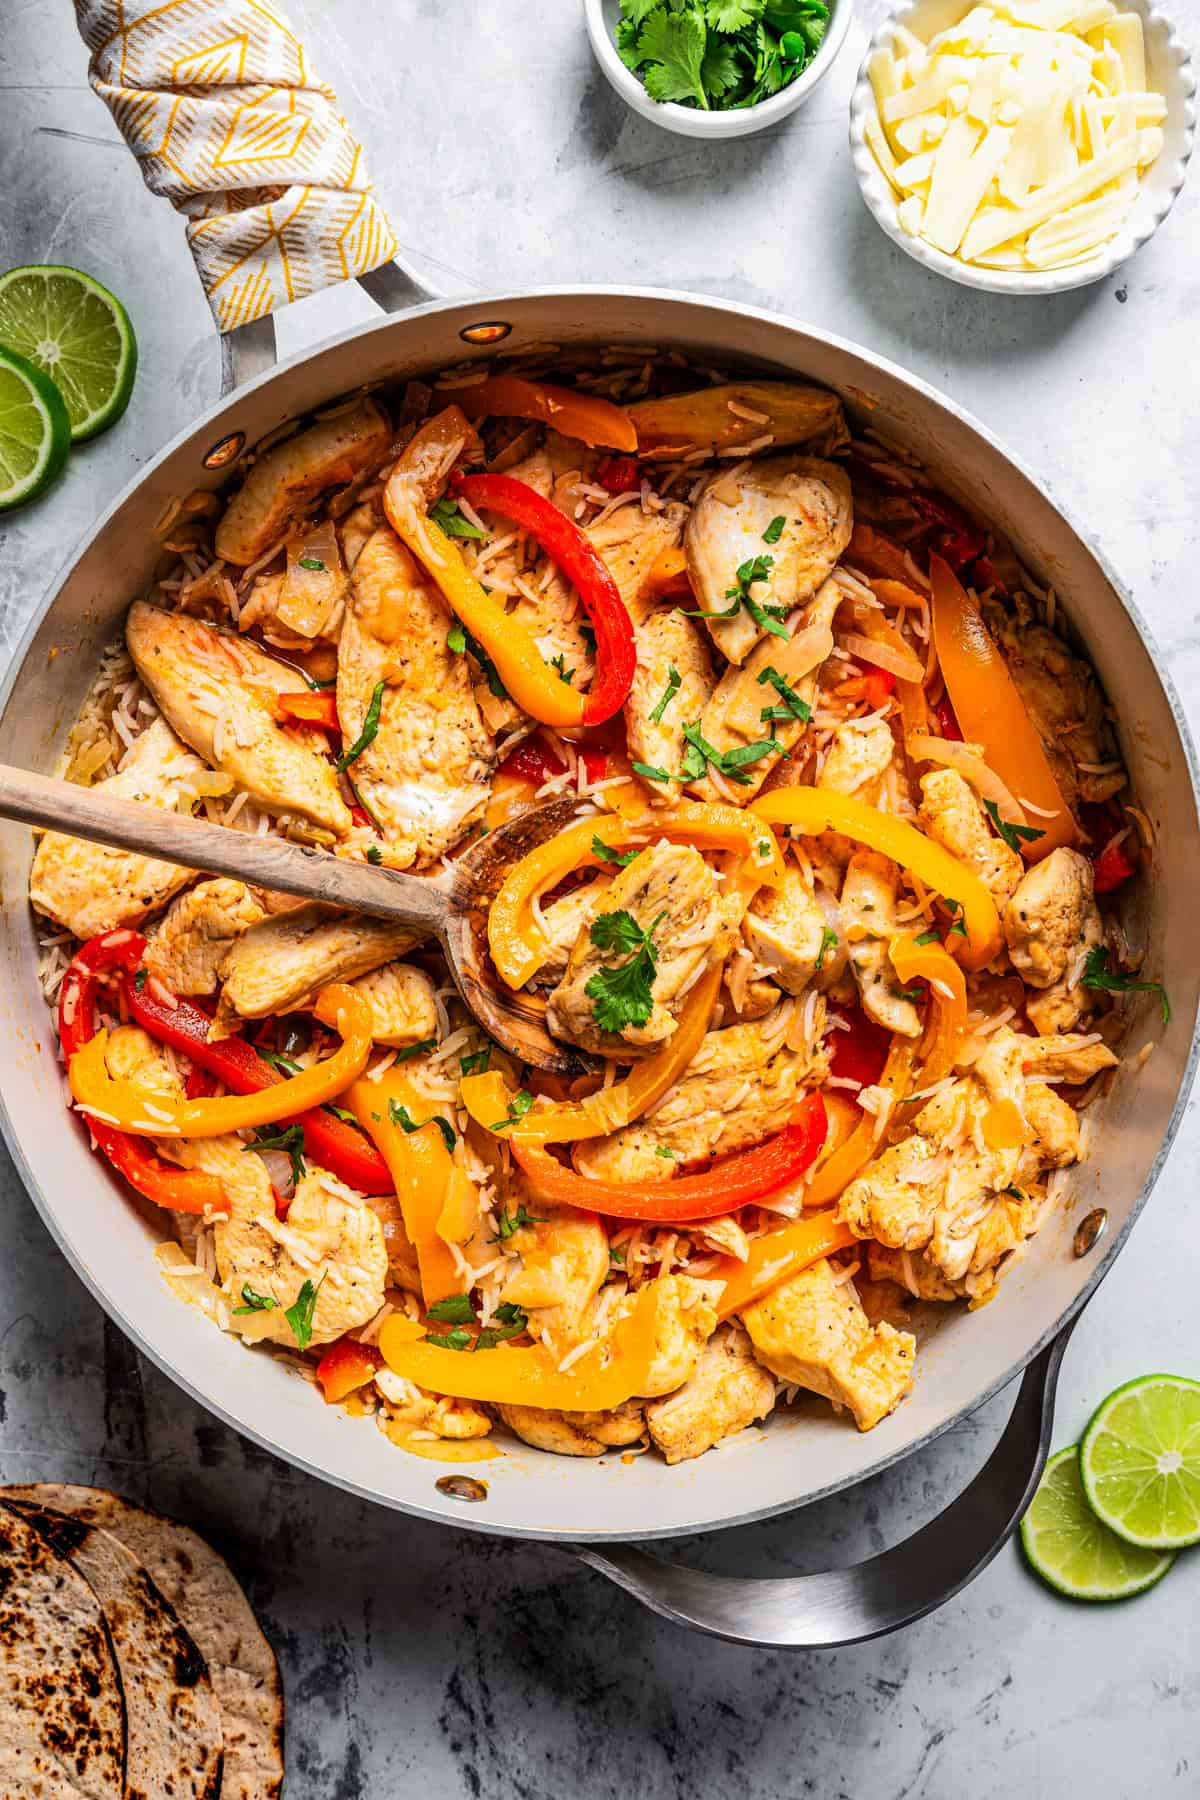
[{"x": 217, "y": 101}]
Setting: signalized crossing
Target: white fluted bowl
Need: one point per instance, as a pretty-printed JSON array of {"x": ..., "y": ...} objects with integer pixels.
[{"x": 1168, "y": 71}]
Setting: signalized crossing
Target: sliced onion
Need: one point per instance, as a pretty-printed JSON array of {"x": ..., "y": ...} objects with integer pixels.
[
  {"x": 974, "y": 771},
  {"x": 900, "y": 663},
  {"x": 803, "y": 653}
]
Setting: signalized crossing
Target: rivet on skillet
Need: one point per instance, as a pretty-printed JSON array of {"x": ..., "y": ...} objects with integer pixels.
[
  {"x": 488, "y": 331},
  {"x": 461, "y": 1487},
  {"x": 1089, "y": 1231},
  {"x": 225, "y": 450}
]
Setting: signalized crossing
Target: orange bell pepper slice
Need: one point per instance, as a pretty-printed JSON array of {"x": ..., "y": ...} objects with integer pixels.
[
  {"x": 124, "y": 1104},
  {"x": 588, "y": 417},
  {"x": 611, "y": 1373},
  {"x": 948, "y": 999},
  {"x": 490, "y": 1102},
  {"x": 990, "y": 711},
  {"x": 814, "y": 810},
  {"x": 309, "y": 709},
  {"x": 852, "y": 1157},
  {"x": 776, "y": 1257},
  {"x": 421, "y": 1167},
  {"x": 515, "y": 938}
]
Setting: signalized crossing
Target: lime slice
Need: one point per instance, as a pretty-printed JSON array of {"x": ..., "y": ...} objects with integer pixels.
[
  {"x": 77, "y": 333},
  {"x": 35, "y": 432},
  {"x": 1071, "y": 1550},
  {"x": 1140, "y": 1462}
]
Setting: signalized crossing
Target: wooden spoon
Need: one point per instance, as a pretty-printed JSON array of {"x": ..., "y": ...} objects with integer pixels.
[{"x": 452, "y": 908}]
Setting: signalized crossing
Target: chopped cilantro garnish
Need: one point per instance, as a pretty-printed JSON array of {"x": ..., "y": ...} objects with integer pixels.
[
  {"x": 698, "y": 753},
  {"x": 665, "y": 1151},
  {"x": 508, "y": 1223},
  {"x": 374, "y": 854},
  {"x": 339, "y": 1112},
  {"x": 399, "y": 1114},
  {"x": 913, "y": 994},
  {"x": 448, "y": 514},
  {"x": 929, "y": 937},
  {"x": 490, "y": 672},
  {"x": 477, "y": 1062},
  {"x": 455, "y": 1309},
  {"x": 617, "y": 1254},
  {"x": 312, "y": 562},
  {"x": 139, "y": 980},
  {"x": 649, "y": 772},
  {"x": 954, "y": 908},
  {"x": 411, "y": 1050},
  {"x": 798, "y": 708},
  {"x": 458, "y": 1339},
  {"x": 622, "y": 996},
  {"x": 1014, "y": 1191},
  {"x": 518, "y": 1106},
  {"x": 1014, "y": 835},
  {"x": 300, "y": 1314},
  {"x": 774, "y": 530},
  {"x": 456, "y": 639},
  {"x": 253, "y": 1302},
  {"x": 1097, "y": 974},
  {"x": 508, "y": 1321},
  {"x": 674, "y": 683},
  {"x": 607, "y": 854},
  {"x": 369, "y": 732},
  {"x": 284, "y": 1064},
  {"x": 289, "y": 1139},
  {"x": 829, "y": 941},
  {"x": 559, "y": 662}
]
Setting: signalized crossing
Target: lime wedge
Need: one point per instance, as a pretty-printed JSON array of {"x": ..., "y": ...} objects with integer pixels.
[
  {"x": 1071, "y": 1550},
  {"x": 1140, "y": 1462},
  {"x": 35, "y": 432},
  {"x": 77, "y": 333}
]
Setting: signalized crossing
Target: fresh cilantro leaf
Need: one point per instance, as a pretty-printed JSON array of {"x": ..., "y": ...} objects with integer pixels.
[
  {"x": 672, "y": 46},
  {"x": 559, "y": 662},
  {"x": 455, "y": 1309},
  {"x": 411, "y": 1050},
  {"x": 1014, "y": 835},
  {"x": 1014, "y": 1191},
  {"x": 606, "y": 853},
  {"x": 449, "y": 1135},
  {"x": 829, "y": 941},
  {"x": 508, "y": 1223},
  {"x": 636, "y": 12},
  {"x": 674, "y": 683},
  {"x": 763, "y": 846},
  {"x": 666, "y": 1152},
  {"x": 284, "y": 1064},
  {"x": 1098, "y": 975},
  {"x": 139, "y": 980},
  {"x": 312, "y": 562},
  {"x": 954, "y": 908},
  {"x": 491, "y": 1335},
  {"x": 768, "y": 618},
  {"x": 518, "y": 1106},
  {"x": 477, "y": 1062},
  {"x": 458, "y": 1339},
  {"x": 488, "y": 669},
  {"x": 456, "y": 639},
  {"x": 369, "y": 733},
  {"x": 755, "y": 568},
  {"x": 587, "y": 632},
  {"x": 290, "y": 1139},
  {"x": 929, "y": 937},
  {"x": 618, "y": 931},
  {"x": 622, "y": 996},
  {"x": 627, "y": 43},
  {"x": 374, "y": 855},
  {"x": 799, "y": 709},
  {"x": 509, "y": 1313},
  {"x": 721, "y": 70},
  {"x": 449, "y": 515},
  {"x": 649, "y": 771},
  {"x": 732, "y": 15},
  {"x": 742, "y": 755},
  {"x": 255, "y": 1302},
  {"x": 339, "y": 1112},
  {"x": 774, "y": 530},
  {"x": 400, "y": 1115},
  {"x": 300, "y": 1314},
  {"x": 913, "y": 994},
  {"x": 617, "y": 1254}
]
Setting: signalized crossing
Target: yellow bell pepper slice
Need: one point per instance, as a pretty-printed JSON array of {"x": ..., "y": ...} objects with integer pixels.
[
  {"x": 948, "y": 1000},
  {"x": 776, "y": 1257},
  {"x": 516, "y": 940},
  {"x": 611, "y": 1373},
  {"x": 814, "y": 810},
  {"x": 421, "y": 1167},
  {"x": 536, "y": 688},
  {"x": 990, "y": 711},
  {"x": 488, "y": 1099},
  {"x": 130, "y": 1107},
  {"x": 852, "y": 1157}
]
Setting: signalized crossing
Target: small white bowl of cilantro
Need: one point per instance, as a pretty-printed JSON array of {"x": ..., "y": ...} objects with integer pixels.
[{"x": 716, "y": 68}]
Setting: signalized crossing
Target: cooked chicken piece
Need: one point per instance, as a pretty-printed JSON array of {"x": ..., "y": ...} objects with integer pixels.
[
  {"x": 401, "y": 1002},
  {"x": 283, "y": 961},
  {"x": 424, "y": 774},
  {"x": 1052, "y": 919},
  {"x": 729, "y": 1391},
  {"x": 910, "y": 1271},
  {"x": 725, "y": 532},
  {"x": 668, "y": 890},
  {"x": 564, "y": 921},
  {"x": 949, "y": 1192},
  {"x": 1064, "y": 701},
  {"x": 673, "y": 663},
  {"x": 412, "y": 1409},
  {"x": 87, "y": 888},
  {"x": 334, "y": 1246},
  {"x": 1053, "y": 1125},
  {"x": 868, "y": 908},
  {"x": 356, "y": 530},
  {"x": 575, "y": 1433},
  {"x": 287, "y": 478},
  {"x": 724, "y": 1235},
  {"x": 686, "y": 1319},
  {"x": 813, "y": 1332},
  {"x": 131, "y": 1054},
  {"x": 564, "y": 1263},
  {"x": 858, "y": 758},
  {"x": 187, "y": 950},
  {"x": 220, "y": 693},
  {"x": 302, "y": 604},
  {"x": 952, "y": 816},
  {"x": 739, "y": 1088},
  {"x": 785, "y": 928},
  {"x": 1073, "y": 1059},
  {"x": 630, "y": 542},
  {"x": 733, "y": 717}
]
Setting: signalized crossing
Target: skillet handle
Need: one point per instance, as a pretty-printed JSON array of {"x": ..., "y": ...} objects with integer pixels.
[
  {"x": 871, "y": 1598},
  {"x": 228, "y": 120}
]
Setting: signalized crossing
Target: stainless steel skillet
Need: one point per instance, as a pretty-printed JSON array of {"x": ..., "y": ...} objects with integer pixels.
[{"x": 602, "y": 1510}]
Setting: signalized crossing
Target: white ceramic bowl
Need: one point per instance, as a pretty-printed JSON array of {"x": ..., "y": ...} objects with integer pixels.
[
  {"x": 1169, "y": 71},
  {"x": 601, "y": 18}
]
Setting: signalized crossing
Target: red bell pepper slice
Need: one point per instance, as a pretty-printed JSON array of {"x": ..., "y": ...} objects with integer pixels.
[
  {"x": 958, "y": 539},
  {"x": 731, "y": 1182},
  {"x": 877, "y": 685},
  {"x": 565, "y": 544},
  {"x": 859, "y": 1053},
  {"x": 532, "y": 761},
  {"x": 619, "y": 474},
  {"x": 947, "y": 722},
  {"x": 1111, "y": 868},
  {"x": 309, "y": 709},
  {"x": 342, "y": 1149},
  {"x": 346, "y": 1365},
  {"x": 183, "y": 1190}
]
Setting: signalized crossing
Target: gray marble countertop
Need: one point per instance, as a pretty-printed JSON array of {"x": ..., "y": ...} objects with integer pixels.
[{"x": 413, "y": 1655}]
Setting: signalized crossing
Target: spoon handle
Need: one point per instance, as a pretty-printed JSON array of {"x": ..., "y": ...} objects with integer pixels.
[{"x": 267, "y": 861}]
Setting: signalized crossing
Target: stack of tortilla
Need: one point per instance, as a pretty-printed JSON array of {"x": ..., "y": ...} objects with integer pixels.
[{"x": 131, "y": 1664}]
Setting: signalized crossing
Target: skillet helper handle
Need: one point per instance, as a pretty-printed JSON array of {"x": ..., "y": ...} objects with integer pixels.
[
  {"x": 224, "y": 113},
  {"x": 263, "y": 861},
  {"x": 871, "y": 1598}
]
